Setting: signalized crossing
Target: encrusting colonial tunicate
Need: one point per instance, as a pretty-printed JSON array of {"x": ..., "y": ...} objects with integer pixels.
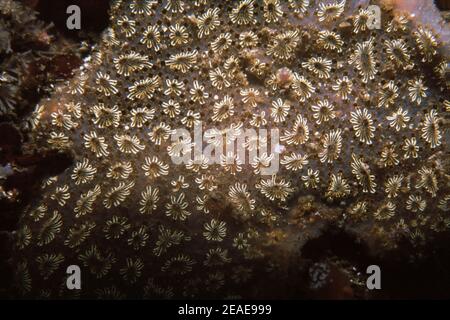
[{"x": 361, "y": 113}]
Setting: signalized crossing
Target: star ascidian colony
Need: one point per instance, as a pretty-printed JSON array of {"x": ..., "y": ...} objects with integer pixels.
[{"x": 361, "y": 116}]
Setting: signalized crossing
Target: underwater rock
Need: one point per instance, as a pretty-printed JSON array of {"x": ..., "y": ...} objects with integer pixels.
[{"x": 362, "y": 117}]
